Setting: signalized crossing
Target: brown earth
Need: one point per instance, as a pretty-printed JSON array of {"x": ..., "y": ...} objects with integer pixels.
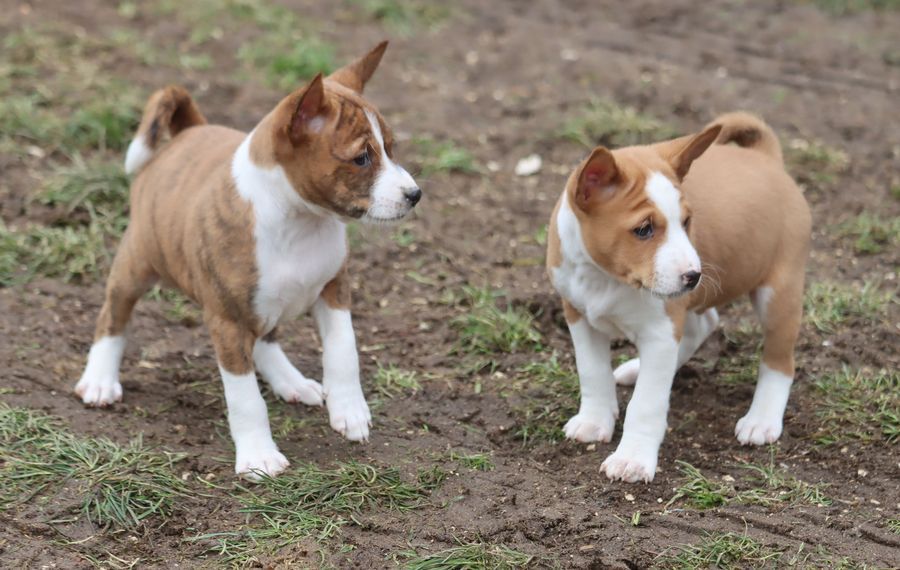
[{"x": 809, "y": 74}]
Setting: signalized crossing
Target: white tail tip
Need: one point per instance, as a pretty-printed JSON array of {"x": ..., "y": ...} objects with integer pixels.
[{"x": 137, "y": 156}]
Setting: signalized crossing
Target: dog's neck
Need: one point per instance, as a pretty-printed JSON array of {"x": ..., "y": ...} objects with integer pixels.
[
  {"x": 274, "y": 199},
  {"x": 572, "y": 248}
]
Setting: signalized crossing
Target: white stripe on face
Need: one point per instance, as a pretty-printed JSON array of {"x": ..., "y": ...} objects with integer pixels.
[
  {"x": 387, "y": 199},
  {"x": 676, "y": 256}
]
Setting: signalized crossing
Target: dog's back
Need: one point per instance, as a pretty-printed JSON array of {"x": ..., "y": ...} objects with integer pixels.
[{"x": 750, "y": 217}]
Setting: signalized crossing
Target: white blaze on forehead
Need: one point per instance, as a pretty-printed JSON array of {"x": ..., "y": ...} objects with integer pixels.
[
  {"x": 676, "y": 255},
  {"x": 388, "y": 201}
]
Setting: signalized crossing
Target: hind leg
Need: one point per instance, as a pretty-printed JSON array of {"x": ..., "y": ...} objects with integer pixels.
[
  {"x": 286, "y": 381},
  {"x": 779, "y": 308},
  {"x": 697, "y": 328},
  {"x": 129, "y": 278}
]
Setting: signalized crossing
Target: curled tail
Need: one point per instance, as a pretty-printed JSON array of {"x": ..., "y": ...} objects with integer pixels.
[
  {"x": 748, "y": 131},
  {"x": 171, "y": 110}
]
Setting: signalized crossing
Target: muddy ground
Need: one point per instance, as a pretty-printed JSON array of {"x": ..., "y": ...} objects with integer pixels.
[{"x": 499, "y": 79}]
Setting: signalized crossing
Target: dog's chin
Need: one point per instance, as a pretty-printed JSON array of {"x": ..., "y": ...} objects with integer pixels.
[
  {"x": 378, "y": 219},
  {"x": 667, "y": 295}
]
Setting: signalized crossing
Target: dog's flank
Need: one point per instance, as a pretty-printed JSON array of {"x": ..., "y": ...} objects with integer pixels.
[
  {"x": 646, "y": 242},
  {"x": 252, "y": 227}
]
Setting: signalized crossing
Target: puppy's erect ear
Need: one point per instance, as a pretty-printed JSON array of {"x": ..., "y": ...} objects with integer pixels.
[
  {"x": 597, "y": 175},
  {"x": 682, "y": 152},
  {"x": 355, "y": 75},
  {"x": 309, "y": 114}
]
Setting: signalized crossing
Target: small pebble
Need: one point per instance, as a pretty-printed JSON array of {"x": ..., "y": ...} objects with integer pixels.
[{"x": 529, "y": 165}]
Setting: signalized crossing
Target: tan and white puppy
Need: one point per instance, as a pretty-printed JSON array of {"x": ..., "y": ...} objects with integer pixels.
[
  {"x": 252, "y": 227},
  {"x": 640, "y": 247}
]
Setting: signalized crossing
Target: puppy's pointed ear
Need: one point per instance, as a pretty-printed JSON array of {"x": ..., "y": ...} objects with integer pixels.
[
  {"x": 309, "y": 112},
  {"x": 598, "y": 174},
  {"x": 355, "y": 75},
  {"x": 683, "y": 151}
]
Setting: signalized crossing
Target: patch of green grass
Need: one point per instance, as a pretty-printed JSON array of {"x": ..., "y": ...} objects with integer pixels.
[
  {"x": 485, "y": 328},
  {"x": 404, "y": 236},
  {"x": 607, "y": 123},
  {"x": 894, "y": 191},
  {"x": 776, "y": 486},
  {"x": 68, "y": 253},
  {"x": 179, "y": 309},
  {"x": 767, "y": 485},
  {"x": 470, "y": 556},
  {"x": 391, "y": 381},
  {"x": 871, "y": 233},
  {"x": 120, "y": 486},
  {"x": 721, "y": 550},
  {"x": 813, "y": 162},
  {"x": 289, "y": 61},
  {"x": 285, "y": 46},
  {"x": 699, "y": 490},
  {"x": 894, "y": 525},
  {"x": 26, "y": 119},
  {"x": 849, "y": 7},
  {"x": 103, "y": 123},
  {"x": 859, "y": 405},
  {"x": 829, "y": 304},
  {"x": 97, "y": 186},
  {"x": 92, "y": 196},
  {"x": 550, "y": 391},
  {"x": 737, "y": 370},
  {"x": 311, "y": 502},
  {"x": 405, "y": 16},
  {"x": 57, "y": 96},
  {"x": 442, "y": 156},
  {"x": 474, "y": 461}
]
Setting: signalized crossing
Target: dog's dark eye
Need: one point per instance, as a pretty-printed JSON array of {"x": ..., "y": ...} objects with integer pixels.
[
  {"x": 363, "y": 159},
  {"x": 687, "y": 222},
  {"x": 644, "y": 231}
]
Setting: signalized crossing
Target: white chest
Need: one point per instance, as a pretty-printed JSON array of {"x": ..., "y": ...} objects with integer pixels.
[
  {"x": 609, "y": 306},
  {"x": 295, "y": 262}
]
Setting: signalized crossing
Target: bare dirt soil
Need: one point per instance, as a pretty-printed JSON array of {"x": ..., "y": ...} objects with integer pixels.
[{"x": 499, "y": 79}]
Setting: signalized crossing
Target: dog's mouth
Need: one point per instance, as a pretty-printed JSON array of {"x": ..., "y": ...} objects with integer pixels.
[
  {"x": 667, "y": 296},
  {"x": 376, "y": 220}
]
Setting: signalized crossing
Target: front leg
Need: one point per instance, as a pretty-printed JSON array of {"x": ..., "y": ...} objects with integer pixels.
[
  {"x": 248, "y": 418},
  {"x": 599, "y": 407},
  {"x": 645, "y": 420},
  {"x": 348, "y": 411}
]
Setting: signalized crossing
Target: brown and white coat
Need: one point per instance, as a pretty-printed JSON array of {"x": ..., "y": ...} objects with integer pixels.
[{"x": 252, "y": 227}]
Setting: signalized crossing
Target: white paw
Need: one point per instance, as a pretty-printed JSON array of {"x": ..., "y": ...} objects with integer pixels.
[
  {"x": 591, "y": 427},
  {"x": 98, "y": 390},
  {"x": 99, "y": 384},
  {"x": 626, "y": 373},
  {"x": 631, "y": 463},
  {"x": 758, "y": 429},
  {"x": 297, "y": 388},
  {"x": 349, "y": 414},
  {"x": 253, "y": 461}
]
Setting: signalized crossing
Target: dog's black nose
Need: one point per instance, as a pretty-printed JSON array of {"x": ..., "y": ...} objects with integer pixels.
[
  {"x": 691, "y": 279},
  {"x": 412, "y": 195}
]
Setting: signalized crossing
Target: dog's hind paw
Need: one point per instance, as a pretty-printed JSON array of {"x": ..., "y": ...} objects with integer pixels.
[
  {"x": 626, "y": 374},
  {"x": 587, "y": 428},
  {"x": 299, "y": 389}
]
